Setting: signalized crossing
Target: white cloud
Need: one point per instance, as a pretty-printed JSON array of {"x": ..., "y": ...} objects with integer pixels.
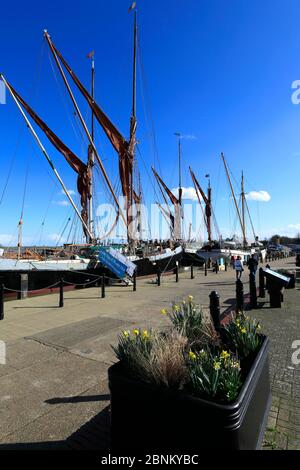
[
  {"x": 263, "y": 196},
  {"x": 294, "y": 226},
  {"x": 187, "y": 193},
  {"x": 63, "y": 203},
  {"x": 55, "y": 237},
  {"x": 70, "y": 191}
]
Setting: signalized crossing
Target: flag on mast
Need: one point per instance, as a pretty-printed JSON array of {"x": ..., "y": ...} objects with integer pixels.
[
  {"x": 91, "y": 55},
  {"x": 132, "y": 7}
]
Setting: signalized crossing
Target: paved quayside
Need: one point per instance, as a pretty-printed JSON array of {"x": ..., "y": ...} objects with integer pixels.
[{"x": 53, "y": 389}]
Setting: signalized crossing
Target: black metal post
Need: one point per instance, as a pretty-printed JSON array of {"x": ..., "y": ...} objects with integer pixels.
[
  {"x": 262, "y": 290},
  {"x": 226, "y": 264},
  {"x": 134, "y": 280},
  {"x": 214, "y": 308},
  {"x": 216, "y": 267},
  {"x": 1, "y": 301},
  {"x": 158, "y": 277},
  {"x": 177, "y": 273},
  {"x": 19, "y": 294},
  {"x": 253, "y": 294},
  {"x": 61, "y": 293},
  {"x": 239, "y": 296},
  {"x": 103, "y": 287},
  {"x": 209, "y": 263},
  {"x": 192, "y": 271},
  {"x": 205, "y": 269}
]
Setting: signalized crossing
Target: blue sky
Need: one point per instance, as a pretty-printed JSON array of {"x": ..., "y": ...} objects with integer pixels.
[{"x": 220, "y": 72}]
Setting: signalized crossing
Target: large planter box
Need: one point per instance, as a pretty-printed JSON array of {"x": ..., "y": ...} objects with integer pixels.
[{"x": 146, "y": 418}]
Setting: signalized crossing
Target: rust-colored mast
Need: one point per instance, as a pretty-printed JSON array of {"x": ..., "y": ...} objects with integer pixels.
[
  {"x": 52, "y": 49},
  {"x": 207, "y": 201},
  {"x": 234, "y": 198}
]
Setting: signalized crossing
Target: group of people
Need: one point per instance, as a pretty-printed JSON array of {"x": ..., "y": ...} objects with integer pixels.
[{"x": 252, "y": 264}]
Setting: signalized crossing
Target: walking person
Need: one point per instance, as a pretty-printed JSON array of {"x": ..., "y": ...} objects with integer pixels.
[
  {"x": 252, "y": 265},
  {"x": 238, "y": 266}
]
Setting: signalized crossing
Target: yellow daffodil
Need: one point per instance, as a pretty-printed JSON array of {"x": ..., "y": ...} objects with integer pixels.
[
  {"x": 145, "y": 334},
  {"x": 136, "y": 332},
  {"x": 190, "y": 297},
  {"x": 235, "y": 364},
  {"x": 217, "y": 365},
  {"x": 243, "y": 330},
  {"x": 192, "y": 356},
  {"x": 176, "y": 308},
  {"x": 163, "y": 311},
  {"x": 126, "y": 333},
  {"x": 224, "y": 355},
  {"x": 258, "y": 327}
]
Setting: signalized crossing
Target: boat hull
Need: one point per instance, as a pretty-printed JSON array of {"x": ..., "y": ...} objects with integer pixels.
[{"x": 43, "y": 275}]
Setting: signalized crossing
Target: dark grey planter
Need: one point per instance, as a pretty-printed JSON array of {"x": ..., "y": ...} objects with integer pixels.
[{"x": 146, "y": 418}]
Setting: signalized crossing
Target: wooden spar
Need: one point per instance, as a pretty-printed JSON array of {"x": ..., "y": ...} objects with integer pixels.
[
  {"x": 91, "y": 157},
  {"x": 179, "y": 168},
  {"x": 243, "y": 210},
  {"x": 233, "y": 195},
  {"x": 129, "y": 203},
  {"x": 84, "y": 125},
  {"x": 20, "y": 225},
  {"x": 167, "y": 216},
  {"x": 46, "y": 155},
  {"x": 174, "y": 201},
  {"x": 207, "y": 201}
]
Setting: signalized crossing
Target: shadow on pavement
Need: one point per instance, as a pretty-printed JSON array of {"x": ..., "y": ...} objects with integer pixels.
[
  {"x": 93, "y": 435},
  {"x": 77, "y": 399}
]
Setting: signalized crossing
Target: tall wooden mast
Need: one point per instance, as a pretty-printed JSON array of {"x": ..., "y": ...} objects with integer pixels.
[
  {"x": 207, "y": 201},
  {"x": 243, "y": 211},
  {"x": 129, "y": 202},
  {"x": 91, "y": 156},
  {"x": 234, "y": 198}
]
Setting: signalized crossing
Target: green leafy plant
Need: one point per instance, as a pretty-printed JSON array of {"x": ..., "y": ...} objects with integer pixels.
[
  {"x": 187, "y": 318},
  {"x": 244, "y": 335},
  {"x": 213, "y": 375},
  {"x": 154, "y": 357}
]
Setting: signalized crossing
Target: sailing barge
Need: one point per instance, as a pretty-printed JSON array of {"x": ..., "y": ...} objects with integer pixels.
[{"x": 80, "y": 267}]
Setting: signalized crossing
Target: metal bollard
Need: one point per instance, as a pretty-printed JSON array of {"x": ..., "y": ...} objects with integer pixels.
[
  {"x": 239, "y": 307},
  {"x": 177, "y": 274},
  {"x": 1, "y": 301},
  {"x": 214, "y": 308},
  {"x": 61, "y": 293},
  {"x": 216, "y": 267},
  {"x": 158, "y": 277},
  {"x": 226, "y": 265},
  {"x": 192, "y": 271},
  {"x": 262, "y": 290},
  {"x": 134, "y": 280},
  {"x": 253, "y": 295},
  {"x": 103, "y": 287},
  {"x": 205, "y": 269}
]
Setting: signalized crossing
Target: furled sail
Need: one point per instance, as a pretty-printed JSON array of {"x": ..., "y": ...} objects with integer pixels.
[
  {"x": 176, "y": 218},
  {"x": 124, "y": 148},
  {"x": 207, "y": 201},
  {"x": 83, "y": 179}
]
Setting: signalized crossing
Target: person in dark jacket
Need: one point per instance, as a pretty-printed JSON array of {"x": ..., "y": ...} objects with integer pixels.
[{"x": 252, "y": 264}]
